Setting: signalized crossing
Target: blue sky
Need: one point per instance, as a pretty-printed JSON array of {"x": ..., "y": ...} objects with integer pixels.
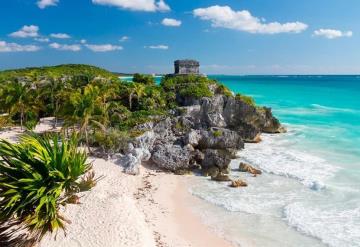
[{"x": 227, "y": 37}]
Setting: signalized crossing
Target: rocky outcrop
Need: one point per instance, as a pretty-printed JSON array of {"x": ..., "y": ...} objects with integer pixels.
[
  {"x": 220, "y": 138},
  {"x": 206, "y": 133},
  {"x": 238, "y": 183},
  {"x": 234, "y": 114},
  {"x": 216, "y": 157},
  {"x": 221, "y": 178},
  {"x": 133, "y": 159},
  {"x": 243, "y": 167},
  {"x": 172, "y": 157}
]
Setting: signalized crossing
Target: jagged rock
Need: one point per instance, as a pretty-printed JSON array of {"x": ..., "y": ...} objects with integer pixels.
[
  {"x": 216, "y": 157},
  {"x": 172, "y": 157},
  {"x": 193, "y": 137},
  {"x": 238, "y": 183},
  {"x": 243, "y": 167},
  {"x": 211, "y": 111},
  {"x": 234, "y": 114},
  {"x": 220, "y": 138},
  {"x": 271, "y": 124},
  {"x": 225, "y": 170},
  {"x": 221, "y": 178},
  {"x": 133, "y": 159},
  {"x": 234, "y": 153},
  {"x": 163, "y": 131},
  {"x": 197, "y": 157},
  {"x": 131, "y": 164},
  {"x": 146, "y": 140},
  {"x": 211, "y": 171}
]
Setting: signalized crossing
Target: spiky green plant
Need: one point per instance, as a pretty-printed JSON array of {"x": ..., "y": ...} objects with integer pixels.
[{"x": 37, "y": 176}]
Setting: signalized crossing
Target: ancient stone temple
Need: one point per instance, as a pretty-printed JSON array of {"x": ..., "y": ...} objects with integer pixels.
[{"x": 187, "y": 67}]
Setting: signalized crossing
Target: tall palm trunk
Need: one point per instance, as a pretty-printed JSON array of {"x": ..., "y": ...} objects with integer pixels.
[
  {"x": 130, "y": 100},
  {"x": 21, "y": 118}
]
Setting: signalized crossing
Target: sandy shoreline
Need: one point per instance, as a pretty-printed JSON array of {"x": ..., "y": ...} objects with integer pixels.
[{"x": 151, "y": 209}]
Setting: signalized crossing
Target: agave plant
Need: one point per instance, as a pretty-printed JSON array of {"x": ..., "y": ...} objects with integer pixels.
[{"x": 37, "y": 176}]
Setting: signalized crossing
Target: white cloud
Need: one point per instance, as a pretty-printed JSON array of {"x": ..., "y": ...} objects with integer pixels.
[
  {"x": 83, "y": 41},
  {"x": 104, "y": 48},
  {"x": 60, "y": 36},
  {"x": 332, "y": 33},
  {"x": 13, "y": 47},
  {"x": 158, "y": 47},
  {"x": 224, "y": 16},
  {"x": 171, "y": 22},
  {"x": 124, "y": 38},
  {"x": 44, "y": 40},
  {"x": 26, "y": 32},
  {"x": 64, "y": 47},
  {"x": 136, "y": 5},
  {"x": 42, "y": 4}
]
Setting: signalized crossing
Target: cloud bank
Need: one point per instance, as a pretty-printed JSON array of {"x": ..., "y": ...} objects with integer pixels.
[
  {"x": 14, "y": 47},
  {"x": 60, "y": 36},
  {"x": 42, "y": 4},
  {"x": 30, "y": 31},
  {"x": 171, "y": 22},
  {"x": 136, "y": 5},
  {"x": 225, "y": 17},
  {"x": 157, "y": 47},
  {"x": 332, "y": 33},
  {"x": 64, "y": 47},
  {"x": 104, "y": 47}
]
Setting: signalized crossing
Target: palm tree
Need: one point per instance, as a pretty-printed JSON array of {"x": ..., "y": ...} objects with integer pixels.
[
  {"x": 83, "y": 108},
  {"x": 20, "y": 98},
  {"x": 136, "y": 90},
  {"x": 55, "y": 90}
]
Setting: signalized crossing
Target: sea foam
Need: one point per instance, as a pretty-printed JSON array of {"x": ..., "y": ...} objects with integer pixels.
[
  {"x": 275, "y": 155},
  {"x": 333, "y": 226}
]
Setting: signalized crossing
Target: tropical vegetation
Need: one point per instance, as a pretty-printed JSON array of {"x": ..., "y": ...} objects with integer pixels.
[
  {"x": 41, "y": 173},
  {"x": 37, "y": 176}
]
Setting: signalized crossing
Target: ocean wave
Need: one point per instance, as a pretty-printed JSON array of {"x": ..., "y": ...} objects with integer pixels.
[
  {"x": 275, "y": 156},
  {"x": 256, "y": 199},
  {"x": 334, "y": 227},
  {"x": 313, "y": 110},
  {"x": 334, "y": 109}
]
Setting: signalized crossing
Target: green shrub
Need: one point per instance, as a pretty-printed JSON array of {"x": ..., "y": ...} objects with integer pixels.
[
  {"x": 197, "y": 90},
  {"x": 217, "y": 133},
  {"x": 31, "y": 120},
  {"x": 139, "y": 117},
  {"x": 111, "y": 141},
  {"x": 190, "y": 85},
  {"x": 222, "y": 89},
  {"x": 246, "y": 99},
  {"x": 37, "y": 176},
  {"x": 144, "y": 79},
  {"x": 5, "y": 121}
]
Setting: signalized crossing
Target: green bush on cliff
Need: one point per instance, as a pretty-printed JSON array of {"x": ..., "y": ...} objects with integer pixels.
[
  {"x": 222, "y": 89},
  {"x": 190, "y": 85},
  {"x": 217, "y": 133},
  {"x": 144, "y": 79},
  {"x": 246, "y": 99}
]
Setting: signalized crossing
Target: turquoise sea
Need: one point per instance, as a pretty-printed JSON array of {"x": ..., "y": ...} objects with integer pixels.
[{"x": 309, "y": 193}]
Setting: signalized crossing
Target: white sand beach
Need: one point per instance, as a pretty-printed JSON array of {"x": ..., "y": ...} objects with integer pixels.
[{"x": 151, "y": 209}]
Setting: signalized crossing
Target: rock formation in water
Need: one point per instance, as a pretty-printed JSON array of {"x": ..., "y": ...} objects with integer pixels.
[{"x": 206, "y": 133}]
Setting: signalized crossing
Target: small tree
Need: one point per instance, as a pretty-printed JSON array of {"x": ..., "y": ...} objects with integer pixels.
[{"x": 144, "y": 79}]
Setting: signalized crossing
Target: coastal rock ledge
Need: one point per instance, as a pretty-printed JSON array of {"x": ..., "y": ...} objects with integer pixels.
[{"x": 205, "y": 134}]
